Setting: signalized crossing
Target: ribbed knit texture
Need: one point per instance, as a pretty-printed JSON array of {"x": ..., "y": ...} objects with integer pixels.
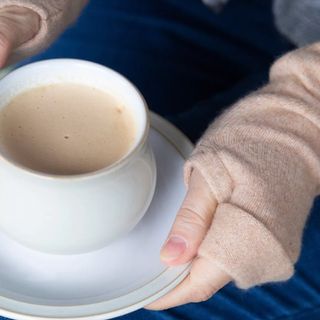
[{"x": 261, "y": 159}]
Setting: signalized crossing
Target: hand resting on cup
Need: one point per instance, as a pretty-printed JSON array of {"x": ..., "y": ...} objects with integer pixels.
[
  {"x": 29, "y": 26},
  {"x": 17, "y": 26},
  {"x": 252, "y": 178}
]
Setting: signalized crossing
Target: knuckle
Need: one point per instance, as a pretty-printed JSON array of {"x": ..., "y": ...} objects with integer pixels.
[
  {"x": 4, "y": 41},
  {"x": 5, "y": 32},
  {"x": 191, "y": 217}
]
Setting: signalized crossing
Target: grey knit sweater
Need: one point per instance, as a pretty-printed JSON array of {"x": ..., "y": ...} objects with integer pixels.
[{"x": 298, "y": 20}]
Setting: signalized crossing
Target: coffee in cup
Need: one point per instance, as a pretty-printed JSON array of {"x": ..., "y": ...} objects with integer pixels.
[
  {"x": 66, "y": 129},
  {"x": 76, "y": 168}
]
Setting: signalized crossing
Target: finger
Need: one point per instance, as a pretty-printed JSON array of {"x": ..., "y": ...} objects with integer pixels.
[
  {"x": 17, "y": 25},
  {"x": 204, "y": 280},
  {"x": 191, "y": 224},
  {"x": 5, "y": 49}
]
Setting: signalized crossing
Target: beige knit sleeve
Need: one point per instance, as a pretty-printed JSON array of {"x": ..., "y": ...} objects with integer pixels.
[
  {"x": 261, "y": 159},
  {"x": 55, "y": 16}
]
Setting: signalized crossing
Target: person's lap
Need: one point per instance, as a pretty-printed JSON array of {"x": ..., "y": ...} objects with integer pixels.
[{"x": 190, "y": 63}]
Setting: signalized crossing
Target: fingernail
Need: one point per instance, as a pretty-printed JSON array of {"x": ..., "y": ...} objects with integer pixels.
[{"x": 173, "y": 248}]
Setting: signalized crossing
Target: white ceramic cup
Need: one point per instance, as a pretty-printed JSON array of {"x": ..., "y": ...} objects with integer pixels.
[{"x": 76, "y": 213}]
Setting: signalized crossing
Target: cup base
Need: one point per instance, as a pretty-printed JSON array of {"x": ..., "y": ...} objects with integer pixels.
[{"x": 119, "y": 278}]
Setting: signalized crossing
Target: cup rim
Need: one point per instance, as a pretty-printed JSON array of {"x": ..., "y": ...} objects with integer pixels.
[{"x": 100, "y": 172}]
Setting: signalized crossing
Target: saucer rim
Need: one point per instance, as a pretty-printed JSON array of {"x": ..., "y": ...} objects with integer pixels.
[{"x": 184, "y": 147}]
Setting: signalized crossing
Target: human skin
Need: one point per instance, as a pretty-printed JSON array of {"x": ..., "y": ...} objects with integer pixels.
[
  {"x": 187, "y": 233},
  {"x": 19, "y": 25}
]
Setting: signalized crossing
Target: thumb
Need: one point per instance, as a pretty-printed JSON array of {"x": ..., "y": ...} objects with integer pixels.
[
  {"x": 5, "y": 49},
  {"x": 191, "y": 224},
  {"x": 17, "y": 25}
]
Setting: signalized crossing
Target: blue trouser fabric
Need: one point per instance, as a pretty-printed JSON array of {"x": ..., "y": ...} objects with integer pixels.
[{"x": 190, "y": 63}]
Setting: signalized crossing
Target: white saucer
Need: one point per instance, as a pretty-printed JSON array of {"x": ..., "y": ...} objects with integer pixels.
[{"x": 110, "y": 282}]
